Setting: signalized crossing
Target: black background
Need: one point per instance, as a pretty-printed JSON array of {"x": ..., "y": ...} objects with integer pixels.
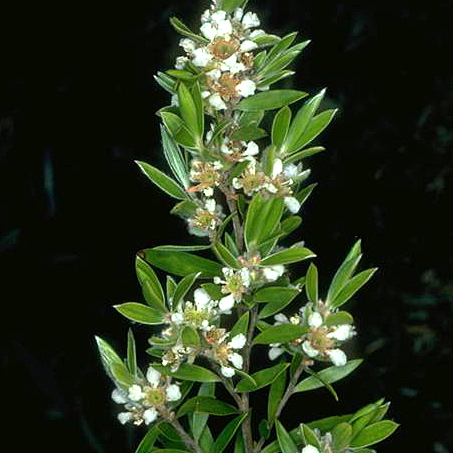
[{"x": 77, "y": 107}]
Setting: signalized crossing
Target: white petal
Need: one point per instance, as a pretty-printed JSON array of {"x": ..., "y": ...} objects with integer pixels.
[
  {"x": 236, "y": 359},
  {"x": 208, "y": 31},
  {"x": 153, "y": 376},
  {"x": 214, "y": 74},
  {"x": 218, "y": 280},
  {"x": 247, "y": 45},
  {"x": 315, "y": 320},
  {"x": 201, "y": 57},
  {"x": 210, "y": 204},
  {"x": 149, "y": 415},
  {"x": 174, "y": 100},
  {"x": 277, "y": 168},
  {"x": 218, "y": 16},
  {"x": 135, "y": 393},
  {"x": 281, "y": 318},
  {"x": 250, "y": 20},
  {"x": 206, "y": 16},
  {"x": 309, "y": 349},
  {"x": 275, "y": 352},
  {"x": 291, "y": 171},
  {"x": 177, "y": 318},
  {"x": 224, "y": 27},
  {"x": 252, "y": 149},
  {"x": 238, "y": 341},
  {"x": 269, "y": 274},
  {"x": 201, "y": 298},
  {"x": 187, "y": 44},
  {"x": 337, "y": 356},
  {"x": 342, "y": 333},
  {"x": 227, "y": 371},
  {"x": 256, "y": 33},
  {"x": 292, "y": 204},
  {"x": 238, "y": 13},
  {"x": 119, "y": 397},
  {"x": 173, "y": 392},
  {"x": 226, "y": 303},
  {"x": 204, "y": 95},
  {"x": 309, "y": 449},
  {"x": 216, "y": 101},
  {"x": 246, "y": 88},
  {"x": 245, "y": 275},
  {"x": 209, "y": 192},
  {"x": 236, "y": 183},
  {"x": 181, "y": 62},
  {"x": 124, "y": 417}
]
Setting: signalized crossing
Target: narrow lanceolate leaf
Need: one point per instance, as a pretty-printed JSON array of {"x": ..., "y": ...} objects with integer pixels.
[
  {"x": 276, "y": 391},
  {"x": 249, "y": 132},
  {"x": 282, "y": 333},
  {"x": 328, "y": 423},
  {"x": 183, "y": 287},
  {"x": 239, "y": 446},
  {"x": 184, "y": 209},
  {"x": 178, "y": 129},
  {"x": 262, "y": 378},
  {"x": 305, "y": 193},
  {"x": 338, "y": 318},
  {"x": 311, "y": 284},
  {"x": 231, "y": 5},
  {"x": 208, "y": 405},
  {"x": 170, "y": 450},
  {"x": 276, "y": 306},
  {"x": 241, "y": 326},
  {"x": 185, "y": 31},
  {"x": 323, "y": 381},
  {"x": 374, "y": 433},
  {"x": 140, "y": 313},
  {"x": 199, "y": 419},
  {"x": 108, "y": 356},
  {"x": 162, "y": 181},
  {"x": 330, "y": 375},
  {"x": 290, "y": 224},
  {"x": 174, "y": 158},
  {"x": 341, "y": 436},
  {"x": 131, "y": 354},
  {"x": 225, "y": 255},
  {"x": 275, "y": 294},
  {"x": 170, "y": 288},
  {"x": 280, "y": 126},
  {"x": 301, "y": 122},
  {"x": 351, "y": 287},
  {"x": 270, "y": 100},
  {"x": 190, "y": 338},
  {"x": 285, "y": 441},
  {"x": 181, "y": 248},
  {"x": 345, "y": 271},
  {"x": 182, "y": 263},
  {"x": 198, "y": 101},
  {"x": 152, "y": 289},
  {"x": 316, "y": 126},
  {"x": 188, "y": 110},
  {"x": 225, "y": 436},
  {"x": 308, "y": 436},
  {"x": 147, "y": 442},
  {"x": 189, "y": 372},
  {"x": 295, "y": 157},
  {"x": 291, "y": 255}
]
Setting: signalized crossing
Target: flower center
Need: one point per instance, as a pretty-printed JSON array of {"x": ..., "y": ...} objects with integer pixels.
[
  {"x": 224, "y": 49},
  {"x": 155, "y": 396}
]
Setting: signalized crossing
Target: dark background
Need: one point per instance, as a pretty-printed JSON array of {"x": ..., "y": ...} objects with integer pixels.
[{"x": 78, "y": 104}]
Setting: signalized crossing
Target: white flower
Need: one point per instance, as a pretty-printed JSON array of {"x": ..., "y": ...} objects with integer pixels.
[
  {"x": 251, "y": 150},
  {"x": 309, "y": 449},
  {"x": 256, "y": 33},
  {"x": 173, "y": 392},
  {"x": 227, "y": 371},
  {"x": 124, "y": 417},
  {"x": 153, "y": 376},
  {"x": 309, "y": 349},
  {"x": 337, "y": 356},
  {"x": 201, "y": 298},
  {"x": 250, "y": 20},
  {"x": 231, "y": 64},
  {"x": 280, "y": 318},
  {"x": 216, "y": 102},
  {"x": 226, "y": 303},
  {"x": 238, "y": 13},
  {"x": 187, "y": 44},
  {"x": 238, "y": 341},
  {"x": 246, "y": 88},
  {"x": 315, "y": 320},
  {"x": 201, "y": 57},
  {"x": 272, "y": 273},
  {"x": 291, "y": 171},
  {"x": 236, "y": 359},
  {"x": 342, "y": 333},
  {"x": 224, "y": 27},
  {"x": 209, "y": 192},
  {"x": 181, "y": 62},
  {"x": 119, "y": 397},
  {"x": 292, "y": 204},
  {"x": 218, "y": 16},
  {"x": 275, "y": 352},
  {"x": 208, "y": 31},
  {"x": 149, "y": 415},
  {"x": 247, "y": 46},
  {"x": 210, "y": 204},
  {"x": 135, "y": 393},
  {"x": 174, "y": 100}
]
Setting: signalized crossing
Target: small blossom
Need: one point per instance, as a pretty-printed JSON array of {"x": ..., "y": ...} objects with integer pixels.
[
  {"x": 153, "y": 376},
  {"x": 275, "y": 351},
  {"x": 173, "y": 392},
  {"x": 216, "y": 102},
  {"x": 342, "y": 333},
  {"x": 201, "y": 57},
  {"x": 292, "y": 204},
  {"x": 238, "y": 13},
  {"x": 309, "y": 449},
  {"x": 226, "y": 303},
  {"x": 315, "y": 320},
  {"x": 124, "y": 417},
  {"x": 246, "y": 88},
  {"x": 227, "y": 371},
  {"x": 208, "y": 31},
  {"x": 188, "y": 45},
  {"x": 135, "y": 393},
  {"x": 256, "y": 33},
  {"x": 238, "y": 341},
  {"x": 247, "y": 46},
  {"x": 337, "y": 356},
  {"x": 181, "y": 62},
  {"x": 309, "y": 349},
  {"x": 273, "y": 273},
  {"x": 250, "y": 20},
  {"x": 119, "y": 397},
  {"x": 236, "y": 359},
  {"x": 150, "y": 415}
]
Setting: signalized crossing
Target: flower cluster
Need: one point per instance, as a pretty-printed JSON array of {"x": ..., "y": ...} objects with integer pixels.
[
  {"x": 146, "y": 399},
  {"x": 321, "y": 341},
  {"x": 225, "y": 56}
]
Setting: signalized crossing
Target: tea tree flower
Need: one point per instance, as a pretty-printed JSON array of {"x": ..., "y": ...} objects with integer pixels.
[
  {"x": 206, "y": 219},
  {"x": 236, "y": 284}
]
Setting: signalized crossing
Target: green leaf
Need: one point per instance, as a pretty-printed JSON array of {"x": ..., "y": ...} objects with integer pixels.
[
  {"x": 249, "y": 132},
  {"x": 199, "y": 419},
  {"x": 253, "y": 116},
  {"x": 183, "y": 287},
  {"x": 189, "y": 372},
  {"x": 263, "y": 429},
  {"x": 162, "y": 181},
  {"x": 262, "y": 378},
  {"x": 170, "y": 450},
  {"x": 237, "y": 170},
  {"x": 276, "y": 306},
  {"x": 266, "y": 40},
  {"x": 131, "y": 354},
  {"x": 147, "y": 442},
  {"x": 241, "y": 326},
  {"x": 338, "y": 318},
  {"x": 323, "y": 381},
  {"x": 305, "y": 193},
  {"x": 231, "y": 245},
  {"x": 121, "y": 375},
  {"x": 328, "y": 423},
  {"x": 181, "y": 248},
  {"x": 311, "y": 284},
  {"x": 265, "y": 82},
  {"x": 182, "y": 263},
  {"x": 166, "y": 82},
  {"x": 231, "y": 5},
  {"x": 295, "y": 157},
  {"x": 181, "y": 74},
  {"x": 108, "y": 356},
  {"x": 239, "y": 443},
  {"x": 359, "y": 424},
  {"x": 281, "y": 46},
  {"x": 285, "y": 441},
  {"x": 263, "y": 217},
  {"x": 268, "y": 159},
  {"x": 188, "y": 110},
  {"x": 218, "y": 131},
  {"x": 185, "y": 31},
  {"x": 270, "y": 100},
  {"x": 224, "y": 255},
  {"x": 169, "y": 432},
  {"x": 280, "y": 126},
  {"x": 225, "y": 436},
  {"x": 308, "y": 436},
  {"x": 287, "y": 256},
  {"x": 351, "y": 287},
  {"x": 374, "y": 433},
  {"x": 317, "y": 125},
  {"x": 214, "y": 291},
  {"x": 208, "y": 405},
  {"x": 184, "y": 209},
  {"x": 171, "y": 288},
  {"x": 331, "y": 374},
  {"x": 345, "y": 271},
  {"x": 152, "y": 289},
  {"x": 282, "y": 333},
  {"x": 198, "y": 101},
  {"x": 190, "y": 338},
  {"x": 274, "y": 294},
  {"x": 341, "y": 436},
  {"x": 206, "y": 440},
  {"x": 178, "y": 129},
  {"x": 140, "y": 313},
  {"x": 276, "y": 391},
  {"x": 301, "y": 122},
  {"x": 290, "y": 224}
]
